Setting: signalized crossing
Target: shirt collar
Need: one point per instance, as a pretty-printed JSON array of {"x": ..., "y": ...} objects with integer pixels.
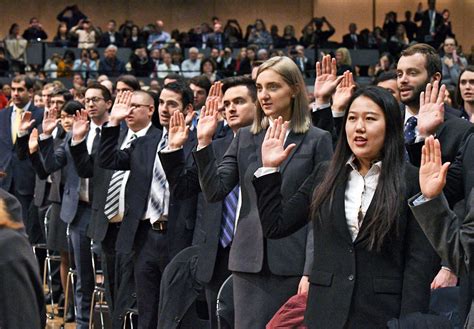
[
  {"x": 375, "y": 165},
  {"x": 25, "y": 108},
  {"x": 94, "y": 126},
  {"x": 140, "y": 133}
]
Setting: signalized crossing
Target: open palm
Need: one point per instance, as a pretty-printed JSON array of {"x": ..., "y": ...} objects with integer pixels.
[
  {"x": 273, "y": 148},
  {"x": 207, "y": 124},
  {"x": 432, "y": 172},
  {"x": 178, "y": 131},
  {"x": 326, "y": 78},
  {"x": 431, "y": 113}
]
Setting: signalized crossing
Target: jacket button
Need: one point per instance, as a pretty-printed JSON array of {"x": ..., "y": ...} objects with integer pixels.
[
  {"x": 350, "y": 277},
  {"x": 351, "y": 250}
]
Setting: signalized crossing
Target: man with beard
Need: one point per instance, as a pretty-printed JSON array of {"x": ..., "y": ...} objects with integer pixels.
[{"x": 419, "y": 72}]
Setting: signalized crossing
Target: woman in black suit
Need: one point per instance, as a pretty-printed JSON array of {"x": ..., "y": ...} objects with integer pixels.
[
  {"x": 21, "y": 291},
  {"x": 371, "y": 259},
  {"x": 265, "y": 272}
]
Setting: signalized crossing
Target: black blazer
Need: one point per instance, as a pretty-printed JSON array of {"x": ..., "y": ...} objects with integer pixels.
[
  {"x": 351, "y": 287},
  {"x": 424, "y": 29},
  {"x": 451, "y": 134},
  {"x": 243, "y": 158},
  {"x": 88, "y": 167},
  {"x": 17, "y": 170},
  {"x": 349, "y": 43},
  {"x": 105, "y": 40},
  {"x": 139, "y": 159},
  {"x": 184, "y": 183}
]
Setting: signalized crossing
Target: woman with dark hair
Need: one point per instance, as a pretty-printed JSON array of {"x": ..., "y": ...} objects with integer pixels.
[
  {"x": 465, "y": 93},
  {"x": 265, "y": 272},
  {"x": 208, "y": 68},
  {"x": 21, "y": 291},
  {"x": 62, "y": 38},
  {"x": 135, "y": 40},
  {"x": 372, "y": 262}
]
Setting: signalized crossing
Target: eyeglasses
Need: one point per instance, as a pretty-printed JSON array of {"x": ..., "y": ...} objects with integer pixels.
[
  {"x": 139, "y": 105},
  {"x": 93, "y": 99}
]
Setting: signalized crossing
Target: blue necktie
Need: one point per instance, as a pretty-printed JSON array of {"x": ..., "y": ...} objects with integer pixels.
[
  {"x": 229, "y": 213},
  {"x": 410, "y": 130}
]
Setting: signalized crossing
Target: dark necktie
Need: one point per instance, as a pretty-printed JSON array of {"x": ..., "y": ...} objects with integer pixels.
[
  {"x": 158, "y": 185},
  {"x": 410, "y": 130},
  {"x": 229, "y": 213},
  {"x": 96, "y": 141}
]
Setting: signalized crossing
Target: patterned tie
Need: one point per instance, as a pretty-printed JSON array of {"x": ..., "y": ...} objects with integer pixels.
[
  {"x": 159, "y": 185},
  {"x": 113, "y": 194},
  {"x": 16, "y": 124},
  {"x": 410, "y": 127},
  {"x": 229, "y": 213}
]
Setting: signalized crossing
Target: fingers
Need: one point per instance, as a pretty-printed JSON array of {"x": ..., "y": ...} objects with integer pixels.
[
  {"x": 423, "y": 155},
  {"x": 268, "y": 133},
  {"x": 437, "y": 151},
  {"x": 422, "y": 99},
  {"x": 441, "y": 94},
  {"x": 318, "y": 69},
  {"x": 333, "y": 66},
  {"x": 283, "y": 132},
  {"x": 278, "y": 127},
  {"x": 428, "y": 93},
  {"x": 434, "y": 92}
]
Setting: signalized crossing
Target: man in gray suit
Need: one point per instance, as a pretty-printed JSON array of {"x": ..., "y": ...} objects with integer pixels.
[{"x": 453, "y": 242}]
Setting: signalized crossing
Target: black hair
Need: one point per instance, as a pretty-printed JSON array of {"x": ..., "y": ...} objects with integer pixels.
[
  {"x": 385, "y": 76},
  {"x": 129, "y": 80},
  {"x": 201, "y": 81},
  {"x": 458, "y": 98},
  {"x": 104, "y": 90},
  {"x": 208, "y": 60},
  {"x": 245, "y": 81},
  {"x": 390, "y": 185},
  {"x": 29, "y": 82},
  {"x": 187, "y": 96},
  {"x": 62, "y": 92},
  {"x": 72, "y": 106},
  {"x": 175, "y": 76}
]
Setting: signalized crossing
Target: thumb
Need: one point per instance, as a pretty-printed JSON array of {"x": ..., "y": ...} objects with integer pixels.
[
  {"x": 444, "y": 171},
  {"x": 288, "y": 150}
]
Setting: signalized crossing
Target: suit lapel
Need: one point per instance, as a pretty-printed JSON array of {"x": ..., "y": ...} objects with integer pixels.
[
  {"x": 258, "y": 140},
  {"x": 339, "y": 212},
  {"x": 292, "y": 139},
  {"x": 7, "y": 127},
  {"x": 363, "y": 229},
  {"x": 150, "y": 153}
]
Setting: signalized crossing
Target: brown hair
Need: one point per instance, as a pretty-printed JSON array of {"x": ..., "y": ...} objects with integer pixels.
[{"x": 433, "y": 61}]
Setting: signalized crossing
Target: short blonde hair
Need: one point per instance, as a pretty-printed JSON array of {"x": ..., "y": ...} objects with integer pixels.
[
  {"x": 291, "y": 74},
  {"x": 346, "y": 56}
]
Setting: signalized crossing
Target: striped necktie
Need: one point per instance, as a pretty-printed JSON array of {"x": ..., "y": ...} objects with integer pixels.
[
  {"x": 229, "y": 213},
  {"x": 111, "y": 208},
  {"x": 16, "y": 124},
  {"x": 158, "y": 185}
]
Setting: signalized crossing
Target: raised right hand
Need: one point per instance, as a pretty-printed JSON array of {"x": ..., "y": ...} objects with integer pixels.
[
  {"x": 344, "y": 92},
  {"x": 215, "y": 93},
  {"x": 432, "y": 172},
  {"x": 207, "y": 124},
  {"x": 80, "y": 127},
  {"x": 26, "y": 123},
  {"x": 273, "y": 146},
  {"x": 178, "y": 132},
  {"x": 50, "y": 121},
  {"x": 326, "y": 80},
  {"x": 33, "y": 141},
  {"x": 121, "y": 108}
]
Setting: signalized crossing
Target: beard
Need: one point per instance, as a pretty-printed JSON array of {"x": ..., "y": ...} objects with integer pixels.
[{"x": 414, "y": 99}]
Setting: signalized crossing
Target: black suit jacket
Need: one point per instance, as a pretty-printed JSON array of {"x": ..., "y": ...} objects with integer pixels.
[
  {"x": 424, "y": 29},
  {"x": 243, "y": 158},
  {"x": 349, "y": 43},
  {"x": 351, "y": 287},
  {"x": 139, "y": 158},
  {"x": 88, "y": 166},
  {"x": 19, "y": 171},
  {"x": 105, "y": 40},
  {"x": 451, "y": 135},
  {"x": 184, "y": 183}
]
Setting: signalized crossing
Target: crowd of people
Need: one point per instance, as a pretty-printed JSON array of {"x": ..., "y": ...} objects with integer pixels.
[{"x": 336, "y": 206}]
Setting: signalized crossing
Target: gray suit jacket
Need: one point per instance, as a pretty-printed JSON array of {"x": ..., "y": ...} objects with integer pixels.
[{"x": 249, "y": 248}]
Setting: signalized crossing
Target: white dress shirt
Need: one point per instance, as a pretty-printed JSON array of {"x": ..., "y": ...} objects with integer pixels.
[
  {"x": 359, "y": 193},
  {"x": 121, "y": 210}
]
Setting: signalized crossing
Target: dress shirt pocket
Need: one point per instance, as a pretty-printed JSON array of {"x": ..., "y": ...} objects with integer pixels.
[
  {"x": 388, "y": 285},
  {"x": 321, "y": 278}
]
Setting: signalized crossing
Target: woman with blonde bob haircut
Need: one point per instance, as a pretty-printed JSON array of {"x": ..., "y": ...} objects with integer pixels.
[
  {"x": 291, "y": 75},
  {"x": 266, "y": 273}
]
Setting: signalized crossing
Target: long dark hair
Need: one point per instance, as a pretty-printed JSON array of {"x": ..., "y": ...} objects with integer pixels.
[
  {"x": 390, "y": 187},
  {"x": 459, "y": 100}
]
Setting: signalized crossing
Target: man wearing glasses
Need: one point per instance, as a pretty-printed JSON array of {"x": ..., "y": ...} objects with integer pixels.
[{"x": 78, "y": 190}]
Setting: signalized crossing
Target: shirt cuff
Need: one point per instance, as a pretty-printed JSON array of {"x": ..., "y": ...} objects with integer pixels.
[
  {"x": 169, "y": 150},
  {"x": 420, "y": 200},
  {"x": 44, "y": 136},
  {"x": 337, "y": 114},
  {"x": 316, "y": 107},
  {"x": 263, "y": 171},
  {"x": 22, "y": 133},
  {"x": 74, "y": 143}
]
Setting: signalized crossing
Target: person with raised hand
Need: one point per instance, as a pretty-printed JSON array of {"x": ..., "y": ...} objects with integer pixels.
[
  {"x": 372, "y": 262},
  {"x": 266, "y": 273},
  {"x": 214, "y": 224}
]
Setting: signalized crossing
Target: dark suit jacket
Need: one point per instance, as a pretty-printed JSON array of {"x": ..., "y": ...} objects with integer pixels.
[
  {"x": 184, "y": 183},
  {"x": 105, "y": 40},
  {"x": 349, "y": 43},
  {"x": 21, "y": 289},
  {"x": 424, "y": 29},
  {"x": 88, "y": 166},
  {"x": 139, "y": 159},
  {"x": 19, "y": 171},
  {"x": 54, "y": 159},
  {"x": 44, "y": 191},
  {"x": 350, "y": 286},
  {"x": 243, "y": 158},
  {"x": 451, "y": 134}
]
